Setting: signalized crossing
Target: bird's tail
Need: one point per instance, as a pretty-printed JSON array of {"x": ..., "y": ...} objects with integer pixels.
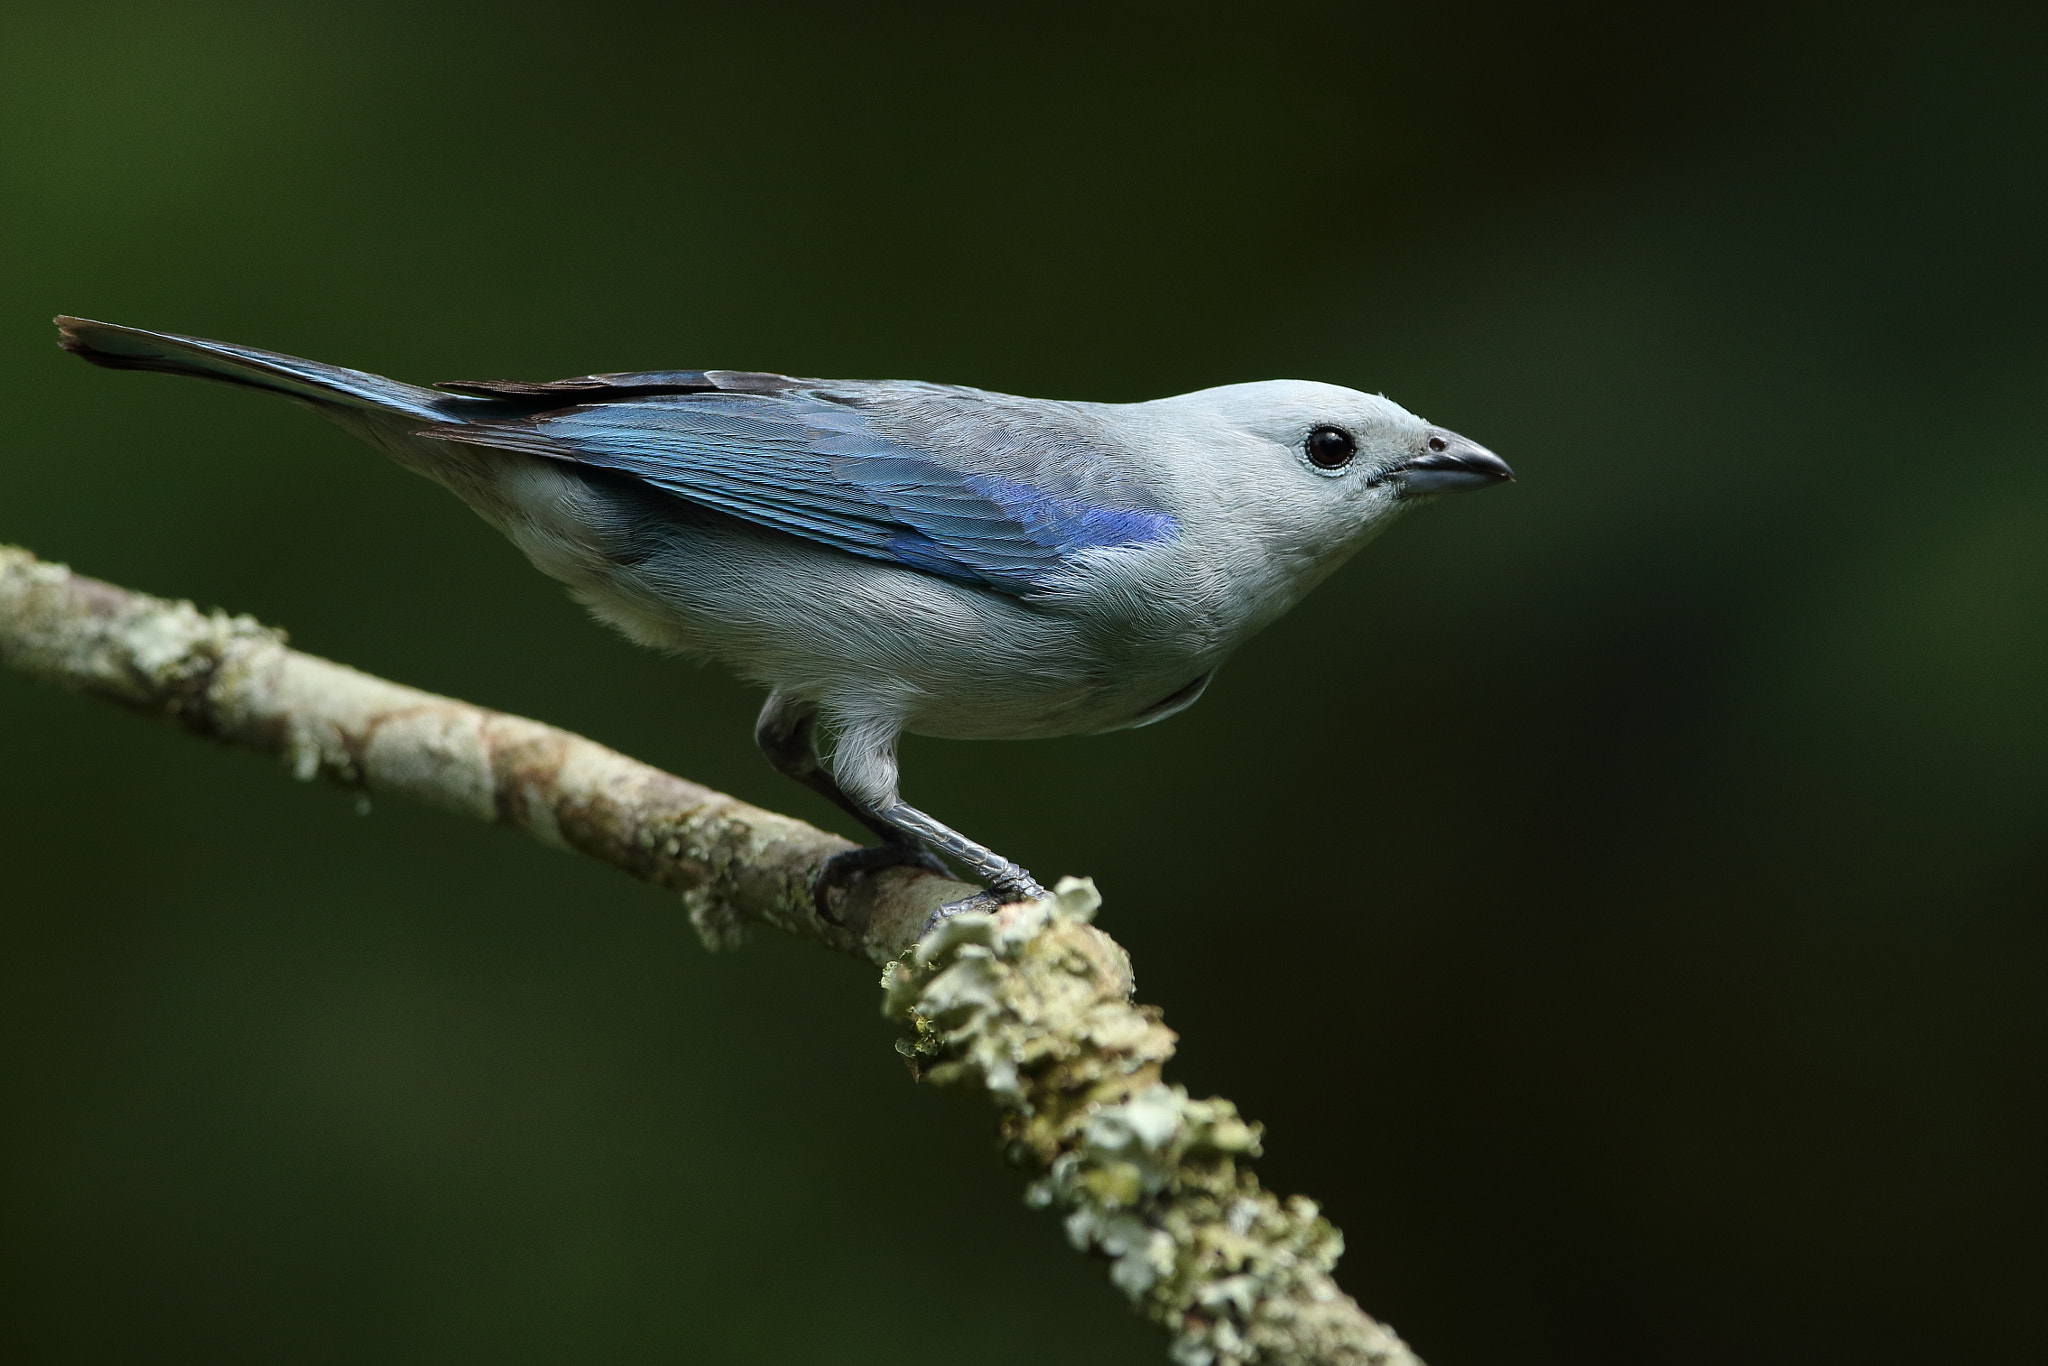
[{"x": 131, "y": 348}]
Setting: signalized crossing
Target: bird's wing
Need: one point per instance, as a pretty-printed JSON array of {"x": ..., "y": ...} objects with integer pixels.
[
  {"x": 973, "y": 487},
  {"x": 613, "y": 388}
]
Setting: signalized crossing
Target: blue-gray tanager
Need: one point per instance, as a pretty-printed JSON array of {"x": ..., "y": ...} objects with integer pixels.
[{"x": 888, "y": 556}]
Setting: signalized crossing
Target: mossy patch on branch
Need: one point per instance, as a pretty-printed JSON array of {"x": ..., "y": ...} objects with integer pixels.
[{"x": 1032, "y": 1007}]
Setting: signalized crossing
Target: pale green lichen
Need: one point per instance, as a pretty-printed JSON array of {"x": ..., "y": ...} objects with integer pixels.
[
  {"x": 722, "y": 848},
  {"x": 1031, "y": 1006},
  {"x": 143, "y": 652}
]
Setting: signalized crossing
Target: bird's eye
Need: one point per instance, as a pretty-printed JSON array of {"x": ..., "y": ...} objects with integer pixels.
[{"x": 1330, "y": 448}]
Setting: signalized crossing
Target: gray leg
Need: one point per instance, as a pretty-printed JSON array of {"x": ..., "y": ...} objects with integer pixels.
[
  {"x": 787, "y": 734},
  {"x": 1004, "y": 878}
]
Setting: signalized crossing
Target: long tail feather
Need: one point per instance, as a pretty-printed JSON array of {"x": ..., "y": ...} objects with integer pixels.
[{"x": 131, "y": 348}]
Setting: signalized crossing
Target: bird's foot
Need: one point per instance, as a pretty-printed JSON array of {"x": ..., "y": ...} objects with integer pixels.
[
  {"x": 1022, "y": 888},
  {"x": 829, "y": 892}
]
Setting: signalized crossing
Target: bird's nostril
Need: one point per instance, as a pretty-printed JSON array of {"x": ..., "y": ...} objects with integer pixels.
[{"x": 1437, "y": 443}]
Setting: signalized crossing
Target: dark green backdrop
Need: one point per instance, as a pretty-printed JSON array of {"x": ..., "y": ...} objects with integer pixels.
[{"x": 1621, "y": 894}]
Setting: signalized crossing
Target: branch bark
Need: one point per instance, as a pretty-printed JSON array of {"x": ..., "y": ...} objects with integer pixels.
[{"x": 1030, "y": 1007}]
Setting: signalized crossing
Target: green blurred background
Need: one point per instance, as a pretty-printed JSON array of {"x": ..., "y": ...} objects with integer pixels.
[{"x": 1621, "y": 894}]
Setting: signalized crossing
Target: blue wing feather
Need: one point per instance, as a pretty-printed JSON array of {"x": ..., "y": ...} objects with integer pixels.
[{"x": 1004, "y": 514}]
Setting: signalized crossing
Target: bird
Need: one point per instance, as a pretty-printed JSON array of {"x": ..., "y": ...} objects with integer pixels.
[{"x": 893, "y": 556}]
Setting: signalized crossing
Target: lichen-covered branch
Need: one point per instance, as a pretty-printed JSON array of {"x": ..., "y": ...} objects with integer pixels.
[
  {"x": 233, "y": 680},
  {"x": 1031, "y": 1006}
]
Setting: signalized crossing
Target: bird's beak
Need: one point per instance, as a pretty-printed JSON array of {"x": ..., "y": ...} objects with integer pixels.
[{"x": 1451, "y": 465}]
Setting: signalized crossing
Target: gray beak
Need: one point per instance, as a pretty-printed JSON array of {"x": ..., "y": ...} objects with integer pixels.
[{"x": 1450, "y": 465}]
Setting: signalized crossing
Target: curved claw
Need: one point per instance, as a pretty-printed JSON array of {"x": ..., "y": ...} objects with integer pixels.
[
  {"x": 987, "y": 902},
  {"x": 830, "y": 889}
]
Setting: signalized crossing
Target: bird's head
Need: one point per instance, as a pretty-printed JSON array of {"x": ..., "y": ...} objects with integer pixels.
[{"x": 1321, "y": 466}]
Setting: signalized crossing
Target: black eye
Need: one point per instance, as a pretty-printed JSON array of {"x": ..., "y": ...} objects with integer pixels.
[{"x": 1331, "y": 448}]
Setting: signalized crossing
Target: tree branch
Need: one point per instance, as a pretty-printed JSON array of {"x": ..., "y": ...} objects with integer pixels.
[{"x": 1031, "y": 1007}]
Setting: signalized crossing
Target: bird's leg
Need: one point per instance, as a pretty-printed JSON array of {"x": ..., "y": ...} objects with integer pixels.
[
  {"x": 1004, "y": 879},
  {"x": 864, "y": 764},
  {"x": 787, "y": 734},
  {"x": 866, "y": 754},
  {"x": 1006, "y": 882}
]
